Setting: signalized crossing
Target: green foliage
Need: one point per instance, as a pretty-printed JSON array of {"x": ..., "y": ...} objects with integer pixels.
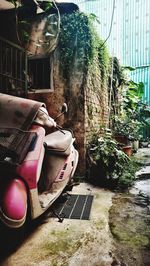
[
  {"x": 21, "y": 25},
  {"x": 128, "y": 174},
  {"x": 128, "y": 68},
  {"x": 24, "y": 26},
  {"x": 79, "y": 42},
  {"x": 127, "y": 127},
  {"x": 145, "y": 114},
  {"x": 116, "y": 80},
  {"x": 47, "y": 5},
  {"x": 118, "y": 74},
  {"x": 133, "y": 97},
  {"x": 134, "y": 106},
  {"x": 103, "y": 57},
  {"x": 25, "y": 36},
  {"x": 114, "y": 167},
  {"x": 130, "y": 120}
]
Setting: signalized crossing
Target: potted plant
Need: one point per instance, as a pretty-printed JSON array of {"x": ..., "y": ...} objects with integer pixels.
[
  {"x": 127, "y": 132},
  {"x": 121, "y": 130},
  {"x": 130, "y": 120},
  {"x": 107, "y": 163}
]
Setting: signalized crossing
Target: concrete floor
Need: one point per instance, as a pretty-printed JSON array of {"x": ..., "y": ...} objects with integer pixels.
[{"x": 72, "y": 242}]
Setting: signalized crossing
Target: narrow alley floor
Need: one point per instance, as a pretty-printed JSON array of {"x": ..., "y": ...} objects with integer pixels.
[
  {"x": 117, "y": 233},
  {"x": 130, "y": 218},
  {"x": 72, "y": 242}
]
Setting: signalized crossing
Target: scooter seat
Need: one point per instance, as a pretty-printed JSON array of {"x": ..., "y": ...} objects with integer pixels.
[{"x": 59, "y": 142}]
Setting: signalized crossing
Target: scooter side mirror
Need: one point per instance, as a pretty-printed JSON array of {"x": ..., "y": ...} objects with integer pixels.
[{"x": 64, "y": 108}]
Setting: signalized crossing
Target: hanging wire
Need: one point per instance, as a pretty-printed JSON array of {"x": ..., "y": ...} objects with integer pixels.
[
  {"x": 112, "y": 67},
  {"x": 111, "y": 23},
  {"x": 85, "y": 1},
  {"x": 58, "y": 28},
  {"x": 51, "y": 48}
]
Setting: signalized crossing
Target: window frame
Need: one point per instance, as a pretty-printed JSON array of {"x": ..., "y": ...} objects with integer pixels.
[{"x": 51, "y": 66}]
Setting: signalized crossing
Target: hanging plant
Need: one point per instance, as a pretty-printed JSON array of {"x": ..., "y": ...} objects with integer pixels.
[{"x": 79, "y": 40}]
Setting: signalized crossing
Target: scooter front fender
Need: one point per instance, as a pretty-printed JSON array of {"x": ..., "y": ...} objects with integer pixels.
[{"x": 14, "y": 203}]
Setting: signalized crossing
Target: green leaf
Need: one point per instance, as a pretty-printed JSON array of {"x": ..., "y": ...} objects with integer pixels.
[
  {"x": 129, "y": 68},
  {"x": 94, "y": 17},
  {"x": 48, "y": 5}
]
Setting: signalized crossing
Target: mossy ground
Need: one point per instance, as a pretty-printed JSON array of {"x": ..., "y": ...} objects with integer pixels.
[
  {"x": 130, "y": 226},
  {"x": 90, "y": 242}
]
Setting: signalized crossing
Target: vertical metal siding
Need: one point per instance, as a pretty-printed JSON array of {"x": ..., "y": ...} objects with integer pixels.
[{"x": 130, "y": 34}]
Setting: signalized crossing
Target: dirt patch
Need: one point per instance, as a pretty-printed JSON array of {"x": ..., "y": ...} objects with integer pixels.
[{"x": 130, "y": 226}]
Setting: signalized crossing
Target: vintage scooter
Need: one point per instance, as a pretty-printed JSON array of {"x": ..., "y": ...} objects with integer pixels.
[{"x": 38, "y": 181}]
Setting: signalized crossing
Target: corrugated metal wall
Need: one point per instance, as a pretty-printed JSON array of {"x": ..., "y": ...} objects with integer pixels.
[
  {"x": 136, "y": 41},
  {"x": 129, "y": 38}
]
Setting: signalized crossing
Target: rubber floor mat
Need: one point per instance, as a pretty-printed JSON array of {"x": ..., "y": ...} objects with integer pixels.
[{"x": 75, "y": 207}]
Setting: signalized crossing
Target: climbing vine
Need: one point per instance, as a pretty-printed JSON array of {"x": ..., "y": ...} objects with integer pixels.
[{"x": 79, "y": 40}]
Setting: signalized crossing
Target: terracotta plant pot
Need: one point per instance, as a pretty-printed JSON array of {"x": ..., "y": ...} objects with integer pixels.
[{"x": 127, "y": 150}]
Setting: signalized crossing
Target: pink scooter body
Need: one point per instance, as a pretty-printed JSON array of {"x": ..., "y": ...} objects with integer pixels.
[
  {"x": 22, "y": 191},
  {"x": 14, "y": 203},
  {"x": 30, "y": 169}
]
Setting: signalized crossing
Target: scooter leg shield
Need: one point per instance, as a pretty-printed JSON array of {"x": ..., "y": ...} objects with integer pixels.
[{"x": 14, "y": 203}]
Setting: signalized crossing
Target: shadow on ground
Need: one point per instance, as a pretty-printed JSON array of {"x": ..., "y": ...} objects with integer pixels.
[{"x": 12, "y": 239}]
